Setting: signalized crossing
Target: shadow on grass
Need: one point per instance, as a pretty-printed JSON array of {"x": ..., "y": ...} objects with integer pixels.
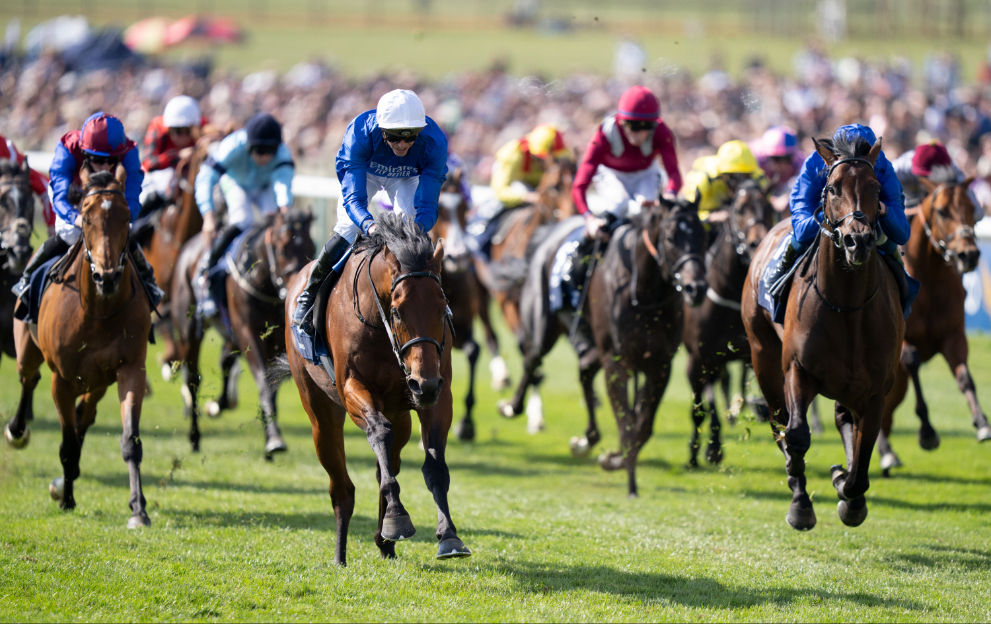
[
  {"x": 946, "y": 557},
  {"x": 931, "y": 478},
  {"x": 361, "y": 528},
  {"x": 829, "y": 498},
  {"x": 116, "y": 479}
]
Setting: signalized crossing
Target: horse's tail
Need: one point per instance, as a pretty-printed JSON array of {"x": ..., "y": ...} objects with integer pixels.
[{"x": 278, "y": 371}]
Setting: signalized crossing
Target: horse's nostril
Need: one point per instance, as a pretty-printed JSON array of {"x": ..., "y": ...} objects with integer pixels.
[
  {"x": 849, "y": 242},
  {"x": 414, "y": 386},
  {"x": 98, "y": 278}
]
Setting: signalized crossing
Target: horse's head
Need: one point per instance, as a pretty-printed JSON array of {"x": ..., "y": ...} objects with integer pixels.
[
  {"x": 749, "y": 219},
  {"x": 452, "y": 221},
  {"x": 106, "y": 225},
  {"x": 555, "y": 187},
  {"x": 418, "y": 312},
  {"x": 16, "y": 213},
  {"x": 288, "y": 246},
  {"x": 850, "y": 202},
  {"x": 680, "y": 242},
  {"x": 947, "y": 213}
]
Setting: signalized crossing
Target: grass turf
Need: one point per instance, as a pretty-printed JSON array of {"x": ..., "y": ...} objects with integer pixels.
[{"x": 554, "y": 538}]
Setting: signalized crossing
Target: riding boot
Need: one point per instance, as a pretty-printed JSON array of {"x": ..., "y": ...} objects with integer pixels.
[
  {"x": 153, "y": 202},
  {"x": 207, "y": 304},
  {"x": 52, "y": 247},
  {"x": 146, "y": 274},
  {"x": 330, "y": 255},
  {"x": 908, "y": 287},
  {"x": 784, "y": 258}
]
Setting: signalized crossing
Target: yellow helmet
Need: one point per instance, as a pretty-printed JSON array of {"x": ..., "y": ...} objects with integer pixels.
[
  {"x": 546, "y": 140},
  {"x": 707, "y": 164},
  {"x": 735, "y": 157}
]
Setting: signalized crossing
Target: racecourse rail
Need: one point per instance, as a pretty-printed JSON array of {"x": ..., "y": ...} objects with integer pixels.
[{"x": 322, "y": 193}]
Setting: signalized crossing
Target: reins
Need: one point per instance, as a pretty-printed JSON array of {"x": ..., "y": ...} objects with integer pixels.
[
  {"x": 941, "y": 244},
  {"x": 660, "y": 257}
]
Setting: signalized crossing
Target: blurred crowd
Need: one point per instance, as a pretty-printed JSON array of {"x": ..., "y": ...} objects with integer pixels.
[{"x": 481, "y": 110}]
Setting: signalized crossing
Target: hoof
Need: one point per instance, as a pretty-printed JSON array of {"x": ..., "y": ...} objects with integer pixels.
[
  {"x": 17, "y": 443},
  {"x": 139, "y": 520},
  {"x": 166, "y": 372},
  {"x": 713, "y": 455},
  {"x": 213, "y": 409},
  {"x": 505, "y": 409},
  {"x": 56, "y": 488},
  {"x": 929, "y": 441},
  {"x": 852, "y": 513},
  {"x": 397, "y": 529},
  {"x": 534, "y": 414},
  {"x": 465, "y": 430},
  {"x": 632, "y": 496},
  {"x": 452, "y": 548},
  {"x": 983, "y": 434},
  {"x": 579, "y": 446},
  {"x": 500, "y": 373},
  {"x": 886, "y": 473},
  {"x": 890, "y": 460},
  {"x": 836, "y": 474},
  {"x": 611, "y": 461},
  {"x": 801, "y": 519},
  {"x": 187, "y": 396},
  {"x": 275, "y": 445}
]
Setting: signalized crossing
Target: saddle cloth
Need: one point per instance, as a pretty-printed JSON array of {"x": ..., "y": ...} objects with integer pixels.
[
  {"x": 31, "y": 302},
  {"x": 314, "y": 347}
]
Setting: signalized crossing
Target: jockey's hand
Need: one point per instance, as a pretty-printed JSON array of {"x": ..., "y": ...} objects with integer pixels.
[
  {"x": 533, "y": 197},
  {"x": 186, "y": 152},
  {"x": 649, "y": 203},
  {"x": 372, "y": 229},
  {"x": 779, "y": 202},
  {"x": 210, "y": 226},
  {"x": 78, "y": 221},
  {"x": 668, "y": 195},
  {"x": 592, "y": 225},
  {"x": 284, "y": 209}
]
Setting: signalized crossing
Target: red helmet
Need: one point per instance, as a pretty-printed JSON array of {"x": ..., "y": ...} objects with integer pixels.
[
  {"x": 932, "y": 154},
  {"x": 103, "y": 135},
  {"x": 639, "y": 104}
]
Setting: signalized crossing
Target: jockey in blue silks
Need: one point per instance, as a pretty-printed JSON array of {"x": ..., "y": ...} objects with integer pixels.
[
  {"x": 806, "y": 215},
  {"x": 395, "y": 148}
]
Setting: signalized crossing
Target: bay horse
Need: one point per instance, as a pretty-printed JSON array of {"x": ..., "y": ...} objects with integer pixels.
[
  {"x": 714, "y": 333},
  {"x": 940, "y": 250},
  {"x": 16, "y": 225},
  {"x": 842, "y": 333},
  {"x": 92, "y": 331},
  {"x": 273, "y": 252},
  {"x": 388, "y": 353}
]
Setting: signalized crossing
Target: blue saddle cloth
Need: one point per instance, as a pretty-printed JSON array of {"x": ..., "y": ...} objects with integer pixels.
[
  {"x": 481, "y": 229},
  {"x": 313, "y": 347},
  {"x": 31, "y": 302},
  {"x": 774, "y": 305}
]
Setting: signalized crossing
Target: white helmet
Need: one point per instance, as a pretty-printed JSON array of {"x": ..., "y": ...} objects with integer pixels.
[
  {"x": 400, "y": 109},
  {"x": 182, "y": 112}
]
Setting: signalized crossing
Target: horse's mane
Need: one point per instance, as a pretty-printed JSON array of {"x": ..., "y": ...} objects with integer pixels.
[
  {"x": 848, "y": 145},
  {"x": 9, "y": 168},
  {"x": 410, "y": 245},
  {"x": 943, "y": 174},
  {"x": 642, "y": 218}
]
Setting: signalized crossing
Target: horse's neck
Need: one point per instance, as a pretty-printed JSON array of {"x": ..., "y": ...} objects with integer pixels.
[
  {"x": 923, "y": 260},
  {"x": 92, "y": 303},
  {"x": 189, "y": 221},
  {"x": 840, "y": 284},
  {"x": 651, "y": 285},
  {"x": 727, "y": 273}
]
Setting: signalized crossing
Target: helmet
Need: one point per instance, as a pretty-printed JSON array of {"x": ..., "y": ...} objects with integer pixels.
[
  {"x": 545, "y": 140},
  {"x": 735, "y": 157},
  {"x": 103, "y": 135},
  {"x": 263, "y": 129},
  {"x": 779, "y": 141},
  {"x": 932, "y": 154},
  {"x": 182, "y": 111},
  {"x": 640, "y": 104},
  {"x": 400, "y": 109}
]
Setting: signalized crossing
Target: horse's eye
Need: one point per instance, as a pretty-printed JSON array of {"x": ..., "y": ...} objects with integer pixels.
[
  {"x": 831, "y": 190},
  {"x": 395, "y": 314}
]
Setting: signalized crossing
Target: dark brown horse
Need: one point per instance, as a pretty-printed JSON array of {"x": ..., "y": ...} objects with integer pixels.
[
  {"x": 16, "y": 224},
  {"x": 92, "y": 331},
  {"x": 274, "y": 251},
  {"x": 842, "y": 333},
  {"x": 714, "y": 334},
  {"x": 940, "y": 250},
  {"x": 389, "y": 338}
]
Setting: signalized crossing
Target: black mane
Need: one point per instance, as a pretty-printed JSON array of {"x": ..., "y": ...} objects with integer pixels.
[
  {"x": 410, "y": 245},
  {"x": 943, "y": 174},
  {"x": 848, "y": 145},
  {"x": 9, "y": 168}
]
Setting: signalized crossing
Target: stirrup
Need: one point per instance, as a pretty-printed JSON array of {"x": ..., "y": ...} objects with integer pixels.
[{"x": 21, "y": 287}]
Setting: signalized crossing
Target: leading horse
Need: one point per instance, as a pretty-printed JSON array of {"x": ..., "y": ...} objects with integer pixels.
[
  {"x": 842, "y": 332},
  {"x": 388, "y": 356},
  {"x": 92, "y": 331}
]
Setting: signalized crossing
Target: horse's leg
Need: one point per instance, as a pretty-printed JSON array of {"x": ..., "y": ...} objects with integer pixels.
[
  {"x": 648, "y": 398},
  {"x": 255, "y": 354},
  {"x": 797, "y": 439},
  {"x": 587, "y": 370},
  {"x": 29, "y": 361},
  {"x": 889, "y": 459},
  {"x": 497, "y": 365},
  {"x": 434, "y": 425},
  {"x": 466, "y": 428},
  {"x": 955, "y": 352},
  {"x": 388, "y": 438},
  {"x": 714, "y": 449},
  {"x": 859, "y": 436},
  {"x": 191, "y": 387},
  {"x": 86, "y": 413},
  {"x": 814, "y": 420},
  {"x": 228, "y": 393},
  {"x": 170, "y": 352},
  {"x": 732, "y": 408},
  {"x": 130, "y": 392},
  {"x": 514, "y": 407},
  {"x": 910, "y": 359},
  {"x": 69, "y": 450},
  {"x": 617, "y": 382},
  {"x": 697, "y": 380}
]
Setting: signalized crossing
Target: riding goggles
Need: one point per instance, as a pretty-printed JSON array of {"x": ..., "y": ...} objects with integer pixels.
[
  {"x": 182, "y": 131},
  {"x": 102, "y": 160},
  {"x": 639, "y": 125},
  {"x": 407, "y": 135},
  {"x": 264, "y": 150}
]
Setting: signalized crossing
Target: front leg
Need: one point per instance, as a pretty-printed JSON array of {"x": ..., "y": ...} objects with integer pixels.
[
  {"x": 466, "y": 429},
  {"x": 29, "y": 361},
  {"x": 859, "y": 433},
  {"x": 69, "y": 451},
  {"x": 799, "y": 392},
  {"x": 910, "y": 359},
  {"x": 955, "y": 352},
  {"x": 130, "y": 391}
]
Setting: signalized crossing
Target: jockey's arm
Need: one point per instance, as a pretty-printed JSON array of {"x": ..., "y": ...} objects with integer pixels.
[
  {"x": 206, "y": 178},
  {"x": 664, "y": 142},
  {"x": 894, "y": 223},
  {"x": 805, "y": 196},
  {"x": 61, "y": 174},
  {"x": 281, "y": 180},
  {"x": 504, "y": 172},
  {"x": 428, "y": 190},
  {"x": 132, "y": 186}
]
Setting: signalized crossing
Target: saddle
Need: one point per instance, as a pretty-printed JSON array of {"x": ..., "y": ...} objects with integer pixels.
[
  {"x": 51, "y": 272},
  {"x": 314, "y": 348}
]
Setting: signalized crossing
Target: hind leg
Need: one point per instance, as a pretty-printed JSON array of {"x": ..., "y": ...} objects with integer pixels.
[
  {"x": 513, "y": 408},
  {"x": 497, "y": 366},
  {"x": 229, "y": 370},
  {"x": 796, "y": 440},
  {"x": 955, "y": 352},
  {"x": 714, "y": 449},
  {"x": 889, "y": 459},
  {"x": 697, "y": 380},
  {"x": 257, "y": 354},
  {"x": 190, "y": 388},
  {"x": 466, "y": 428},
  {"x": 910, "y": 359},
  {"x": 130, "y": 391},
  {"x": 29, "y": 361},
  {"x": 589, "y": 367}
]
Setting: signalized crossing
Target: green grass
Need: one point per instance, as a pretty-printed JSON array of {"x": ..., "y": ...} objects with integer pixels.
[{"x": 554, "y": 538}]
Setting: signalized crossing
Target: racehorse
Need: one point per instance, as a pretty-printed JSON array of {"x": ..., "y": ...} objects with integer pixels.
[
  {"x": 92, "y": 327},
  {"x": 714, "y": 333},
  {"x": 941, "y": 249},
  {"x": 388, "y": 354},
  {"x": 842, "y": 333},
  {"x": 16, "y": 224},
  {"x": 272, "y": 254}
]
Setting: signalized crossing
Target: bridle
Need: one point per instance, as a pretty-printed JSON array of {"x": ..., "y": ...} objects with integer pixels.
[
  {"x": 659, "y": 253},
  {"x": 941, "y": 245},
  {"x": 737, "y": 236},
  {"x": 119, "y": 271},
  {"x": 399, "y": 351},
  {"x": 21, "y": 226}
]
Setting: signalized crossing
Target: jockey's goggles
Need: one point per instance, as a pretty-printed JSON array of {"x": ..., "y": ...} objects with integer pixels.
[
  {"x": 182, "y": 131},
  {"x": 264, "y": 150},
  {"x": 637, "y": 125},
  {"x": 102, "y": 160},
  {"x": 407, "y": 135}
]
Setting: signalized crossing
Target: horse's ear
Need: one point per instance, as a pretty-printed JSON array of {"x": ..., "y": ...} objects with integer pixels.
[
  {"x": 438, "y": 260},
  {"x": 875, "y": 151},
  {"x": 694, "y": 204},
  {"x": 24, "y": 167},
  {"x": 929, "y": 184},
  {"x": 84, "y": 172},
  {"x": 121, "y": 175},
  {"x": 826, "y": 153},
  {"x": 968, "y": 181}
]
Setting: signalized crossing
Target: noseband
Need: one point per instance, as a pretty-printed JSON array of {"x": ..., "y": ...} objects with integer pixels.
[
  {"x": 387, "y": 321},
  {"x": 941, "y": 245}
]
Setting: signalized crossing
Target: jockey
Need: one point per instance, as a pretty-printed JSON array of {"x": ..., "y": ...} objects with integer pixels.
[
  {"x": 395, "y": 147},
  {"x": 39, "y": 181},
  {"x": 621, "y": 160},
  {"x": 714, "y": 178},
  {"x": 806, "y": 213},
  {"x": 253, "y": 167},
  {"x": 167, "y": 136},
  {"x": 520, "y": 164},
  {"x": 778, "y": 154},
  {"x": 101, "y": 145},
  {"x": 923, "y": 162}
]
